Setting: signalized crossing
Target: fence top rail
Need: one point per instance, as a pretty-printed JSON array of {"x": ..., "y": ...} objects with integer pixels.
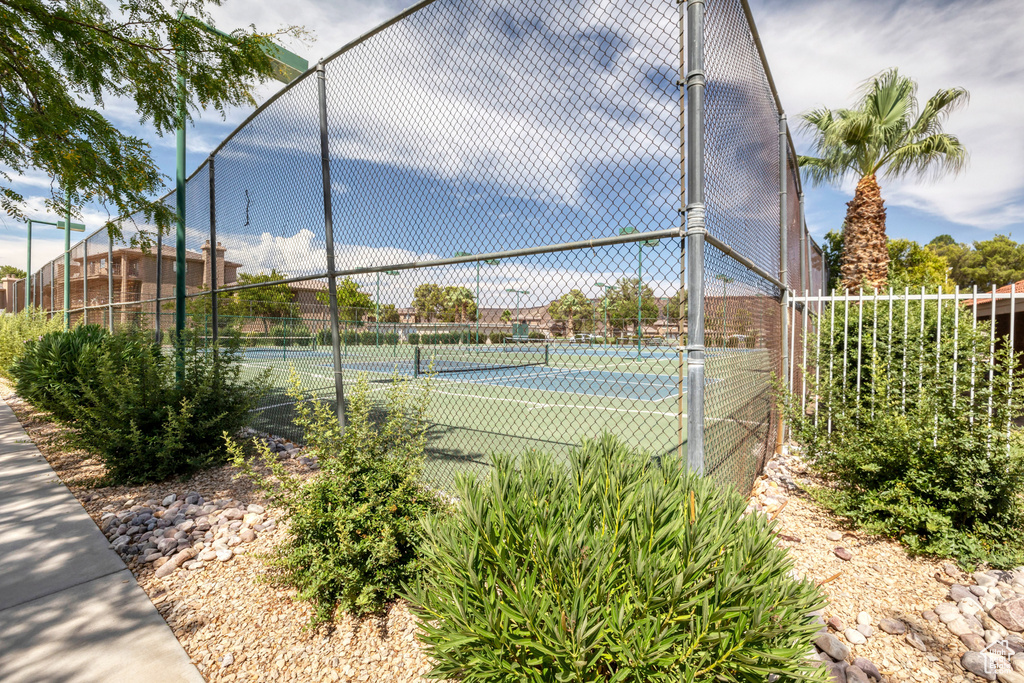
[{"x": 979, "y": 296}]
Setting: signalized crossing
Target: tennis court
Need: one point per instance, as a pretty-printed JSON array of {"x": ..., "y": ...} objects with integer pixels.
[{"x": 488, "y": 400}]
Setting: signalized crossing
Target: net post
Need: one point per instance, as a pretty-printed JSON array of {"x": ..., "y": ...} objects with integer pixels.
[
  {"x": 332, "y": 284},
  {"x": 159, "y": 280},
  {"x": 547, "y": 349},
  {"x": 783, "y": 270},
  {"x": 416, "y": 361},
  {"x": 85, "y": 281},
  {"x": 695, "y": 230},
  {"x": 213, "y": 256}
]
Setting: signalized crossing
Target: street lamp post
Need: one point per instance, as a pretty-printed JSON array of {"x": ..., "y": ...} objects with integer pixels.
[
  {"x": 77, "y": 227},
  {"x": 376, "y": 300},
  {"x": 518, "y": 293},
  {"x": 607, "y": 288},
  {"x": 629, "y": 230},
  {"x": 490, "y": 262}
]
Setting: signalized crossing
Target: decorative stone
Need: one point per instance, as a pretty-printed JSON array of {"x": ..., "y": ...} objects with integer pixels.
[
  {"x": 843, "y": 554},
  {"x": 983, "y": 579},
  {"x": 836, "y": 672},
  {"x": 958, "y": 627},
  {"x": 895, "y": 627},
  {"x": 224, "y": 554},
  {"x": 166, "y": 569},
  {"x": 1009, "y": 677},
  {"x": 854, "y": 674},
  {"x": 983, "y": 665},
  {"x": 169, "y": 500},
  {"x": 915, "y": 641},
  {"x": 863, "y": 618},
  {"x": 854, "y": 636},
  {"x": 974, "y": 642},
  {"x": 247, "y": 535},
  {"x": 834, "y": 536},
  {"x": 866, "y": 630},
  {"x": 233, "y": 513},
  {"x": 958, "y": 593},
  {"x": 832, "y": 646},
  {"x": 836, "y": 624},
  {"x": 868, "y": 667},
  {"x": 1010, "y": 614},
  {"x": 257, "y": 509},
  {"x": 207, "y": 556}
]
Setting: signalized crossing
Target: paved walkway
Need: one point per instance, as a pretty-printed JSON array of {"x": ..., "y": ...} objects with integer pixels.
[{"x": 70, "y": 610}]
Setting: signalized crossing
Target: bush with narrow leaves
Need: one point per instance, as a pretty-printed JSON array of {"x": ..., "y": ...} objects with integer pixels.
[
  {"x": 17, "y": 330},
  {"x": 52, "y": 370},
  {"x": 354, "y": 529},
  {"x": 615, "y": 568}
]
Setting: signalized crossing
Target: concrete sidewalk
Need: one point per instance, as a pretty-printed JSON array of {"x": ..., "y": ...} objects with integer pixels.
[{"x": 70, "y": 610}]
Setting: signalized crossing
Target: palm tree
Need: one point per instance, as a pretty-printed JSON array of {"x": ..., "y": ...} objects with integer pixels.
[
  {"x": 460, "y": 299},
  {"x": 888, "y": 134},
  {"x": 570, "y": 306}
]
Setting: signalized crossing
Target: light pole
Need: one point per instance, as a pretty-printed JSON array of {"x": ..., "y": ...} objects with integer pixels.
[
  {"x": 77, "y": 227},
  {"x": 376, "y": 300},
  {"x": 607, "y": 288},
  {"x": 287, "y": 67},
  {"x": 518, "y": 293},
  {"x": 490, "y": 262},
  {"x": 629, "y": 230}
]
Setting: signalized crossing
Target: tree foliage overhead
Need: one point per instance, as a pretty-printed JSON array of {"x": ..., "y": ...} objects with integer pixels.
[
  {"x": 62, "y": 62},
  {"x": 11, "y": 271},
  {"x": 888, "y": 134}
]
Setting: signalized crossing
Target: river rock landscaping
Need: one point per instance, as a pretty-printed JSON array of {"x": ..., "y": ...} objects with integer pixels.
[{"x": 195, "y": 547}]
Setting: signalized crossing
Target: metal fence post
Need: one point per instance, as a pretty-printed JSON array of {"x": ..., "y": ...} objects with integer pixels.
[
  {"x": 332, "y": 285},
  {"x": 213, "y": 255},
  {"x": 159, "y": 279},
  {"x": 85, "y": 281},
  {"x": 110, "y": 281},
  {"x": 53, "y": 286},
  {"x": 783, "y": 247},
  {"x": 695, "y": 231}
]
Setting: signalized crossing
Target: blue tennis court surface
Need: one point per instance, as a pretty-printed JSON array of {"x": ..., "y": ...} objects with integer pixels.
[{"x": 625, "y": 385}]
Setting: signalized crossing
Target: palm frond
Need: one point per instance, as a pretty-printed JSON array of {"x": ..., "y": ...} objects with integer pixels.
[
  {"x": 820, "y": 171},
  {"x": 936, "y": 154},
  {"x": 937, "y": 109}
]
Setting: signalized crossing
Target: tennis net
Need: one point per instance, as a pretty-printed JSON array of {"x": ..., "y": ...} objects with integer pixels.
[{"x": 442, "y": 359}]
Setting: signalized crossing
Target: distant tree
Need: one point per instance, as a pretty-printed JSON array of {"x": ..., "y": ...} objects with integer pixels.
[
  {"x": 458, "y": 304},
  {"x": 998, "y": 261},
  {"x": 353, "y": 304},
  {"x": 506, "y": 316},
  {"x": 887, "y": 134},
  {"x": 12, "y": 271},
  {"x": 672, "y": 311},
  {"x": 270, "y": 301},
  {"x": 832, "y": 253},
  {"x": 954, "y": 254},
  {"x": 427, "y": 300},
  {"x": 622, "y": 304},
  {"x": 389, "y": 314},
  {"x": 570, "y": 307},
  {"x": 914, "y": 266}
]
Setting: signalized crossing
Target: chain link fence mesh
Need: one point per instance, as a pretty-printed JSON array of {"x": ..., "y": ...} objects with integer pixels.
[{"x": 474, "y": 153}]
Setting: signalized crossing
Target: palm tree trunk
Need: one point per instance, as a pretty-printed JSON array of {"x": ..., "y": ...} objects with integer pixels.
[{"x": 865, "y": 245}]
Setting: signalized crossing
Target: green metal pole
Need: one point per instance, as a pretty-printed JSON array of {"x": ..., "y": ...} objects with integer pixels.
[
  {"x": 67, "y": 265},
  {"x": 639, "y": 297},
  {"x": 28, "y": 267},
  {"x": 179, "y": 258},
  {"x": 607, "y": 341},
  {"x": 477, "y": 340},
  {"x": 376, "y": 310}
]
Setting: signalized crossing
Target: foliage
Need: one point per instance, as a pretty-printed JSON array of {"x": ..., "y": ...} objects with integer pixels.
[
  {"x": 17, "y": 329},
  {"x": 506, "y": 316},
  {"x": 914, "y": 266},
  {"x": 998, "y": 261},
  {"x": 672, "y": 310},
  {"x": 497, "y": 337},
  {"x": 832, "y": 255},
  {"x": 59, "y": 58},
  {"x": 269, "y": 301},
  {"x": 143, "y": 424},
  {"x": 617, "y": 568},
  {"x": 427, "y": 300},
  {"x": 12, "y": 271},
  {"x": 622, "y": 303},
  {"x": 907, "y": 443},
  {"x": 389, "y": 314},
  {"x": 569, "y": 307},
  {"x": 353, "y": 303},
  {"x": 885, "y": 133},
  {"x": 459, "y": 305},
  {"x": 52, "y": 371},
  {"x": 354, "y": 530},
  {"x": 414, "y": 338}
]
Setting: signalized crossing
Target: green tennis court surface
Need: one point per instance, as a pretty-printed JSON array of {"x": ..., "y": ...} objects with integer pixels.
[{"x": 553, "y": 398}]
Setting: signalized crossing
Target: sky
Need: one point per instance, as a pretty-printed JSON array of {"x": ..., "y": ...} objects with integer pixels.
[{"x": 819, "y": 52}]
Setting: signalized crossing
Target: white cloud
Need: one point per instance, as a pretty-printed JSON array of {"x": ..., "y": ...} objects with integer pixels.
[{"x": 820, "y": 52}]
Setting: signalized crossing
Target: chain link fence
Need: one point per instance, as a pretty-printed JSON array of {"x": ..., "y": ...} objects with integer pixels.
[{"x": 496, "y": 192}]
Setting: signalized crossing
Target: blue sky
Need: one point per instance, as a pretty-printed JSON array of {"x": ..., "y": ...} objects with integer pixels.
[{"x": 819, "y": 53}]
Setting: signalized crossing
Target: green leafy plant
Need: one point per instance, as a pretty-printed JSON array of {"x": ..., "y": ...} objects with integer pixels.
[
  {"x": 354, "y": 528},
  {"x": 17, "y": 330},
  {"x": 52, "y": 371},
  {"x": 146, "y": 426},
  {"x": 919, "y": 445},
  {"x": 615, "y": 568}
]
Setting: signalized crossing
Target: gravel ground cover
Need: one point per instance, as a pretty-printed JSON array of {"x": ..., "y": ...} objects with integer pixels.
[{"x": 236, "y": 627}]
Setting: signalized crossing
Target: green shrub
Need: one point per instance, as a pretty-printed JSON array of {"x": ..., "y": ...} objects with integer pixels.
[
  {"x": 928, "y": 466},
  {"x": 17, "y": 329},
  {"x": 354, "y": 530},
  {"x": 390, "y": 338},
  {"x": 143, "y": 424},
  {"x": 611, "y": 569},
  {"x": 52, "y": 371},
  {"x": 537, "y": 335},
  {"x": 497, "y": 337},
  {"x": 414, "y": 338}
]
